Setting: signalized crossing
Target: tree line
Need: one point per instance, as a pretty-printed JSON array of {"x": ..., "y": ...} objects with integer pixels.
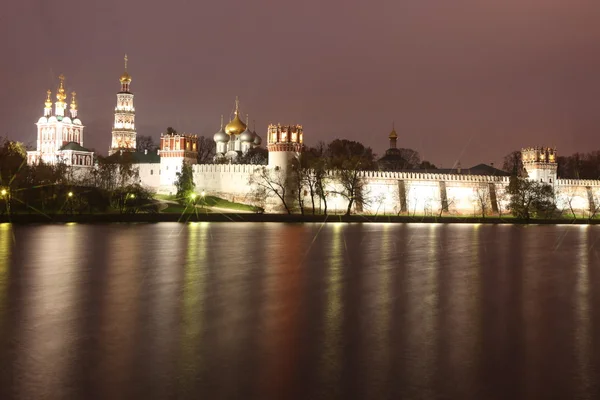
[{"x": 112, "y": 185}]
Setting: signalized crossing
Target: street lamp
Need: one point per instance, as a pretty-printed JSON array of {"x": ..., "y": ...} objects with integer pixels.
[
  {"x": 3, "y": 192},
  {"x": 70, "y": 194},
  {"x": 203, "y": 193},
  {"x": 132, "y": 196}
]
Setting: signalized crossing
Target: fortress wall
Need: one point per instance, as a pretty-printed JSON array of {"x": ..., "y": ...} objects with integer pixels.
[
  {"x": 149, "y": 175},
  {"x": 419, "y": 193},
  {"x": 578, "y": 195},
  {"x": 228, "y": 181},
  {"x": 429, "y": 194}
]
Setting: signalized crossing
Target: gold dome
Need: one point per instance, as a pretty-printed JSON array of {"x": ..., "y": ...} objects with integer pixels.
[
  {"x": 235, "y": 126},
  {"x": 73, "y": 101},
  {"x": 125, "y": 77},
  {"x": 60, "y": 94},
  {"x": 48, "y": 102},
  {"x": 393, "y": 134}
]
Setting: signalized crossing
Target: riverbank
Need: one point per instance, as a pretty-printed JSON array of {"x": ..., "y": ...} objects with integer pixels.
[{"x": 247, "y": 217}]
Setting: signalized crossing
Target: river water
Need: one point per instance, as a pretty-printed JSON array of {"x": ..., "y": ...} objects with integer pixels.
[{"x": 299, "y": 311}]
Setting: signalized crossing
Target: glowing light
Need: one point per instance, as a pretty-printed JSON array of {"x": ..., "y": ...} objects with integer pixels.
[
  {"x": 203, "y": 193},
  {"x": 70, "y": 194},
  {"x": 193, "y": 196},
  {"x": 132, "y": 196},
  {"x": 3, "y": 192}
]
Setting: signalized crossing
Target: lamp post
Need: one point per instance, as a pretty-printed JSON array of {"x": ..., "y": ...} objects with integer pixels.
[{"x": 5, "y": 195}]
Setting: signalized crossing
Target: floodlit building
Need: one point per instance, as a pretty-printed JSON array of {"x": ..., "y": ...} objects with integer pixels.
[
  {"x": 60, "y": 133},
  {"x": 123, "y": 131}
]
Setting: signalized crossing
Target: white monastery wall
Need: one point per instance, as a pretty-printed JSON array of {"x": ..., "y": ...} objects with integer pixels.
[
  {"x": 149, "y": 175},
  {"x": 228, "y": 181},
  {"x": 423, "y": 192}
]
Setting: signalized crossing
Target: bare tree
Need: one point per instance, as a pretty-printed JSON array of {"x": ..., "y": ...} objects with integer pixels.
[
  {"x": 481, "y": 193},
  {"x": 352, "y": 185},
  {"x": 513, "y": 163},
  {"x": 594, "y": 205},
  {"x": 565, "y": 197},
  {"x": 144, "y": 142},
  {"x": 299, "y": 176},
  {"x": 206, "y": 150},
  {"x": 272, "y": 182}
]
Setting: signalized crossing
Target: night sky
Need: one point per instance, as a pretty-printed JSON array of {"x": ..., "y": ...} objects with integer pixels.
[{"x": 462, "y": 79}]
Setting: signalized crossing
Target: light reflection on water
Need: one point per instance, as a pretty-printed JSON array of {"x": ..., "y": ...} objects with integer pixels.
[{"x": 299, "y": 311}]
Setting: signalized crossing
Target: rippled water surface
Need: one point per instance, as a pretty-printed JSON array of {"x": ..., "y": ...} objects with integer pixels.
[{"x": 299, "y": 311}]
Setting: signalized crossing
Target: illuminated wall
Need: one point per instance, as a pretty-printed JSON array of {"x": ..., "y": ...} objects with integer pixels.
[{"x": 424, "y": 193}]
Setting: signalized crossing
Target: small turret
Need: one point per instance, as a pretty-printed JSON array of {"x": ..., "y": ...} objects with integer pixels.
[
  {"x": 284, "y": 142},
  {"x": 393, "y": 137},
  {"x": 48, "y": 104},
  {"x": 61, "y": 96},
  {"x": 73, "y": 106}
]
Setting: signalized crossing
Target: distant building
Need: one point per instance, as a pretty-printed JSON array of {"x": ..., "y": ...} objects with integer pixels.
[
  {"x": 60, "y": 136},
  {"x": 392, "y": 159},
  {"x": 123, "y": 131}
]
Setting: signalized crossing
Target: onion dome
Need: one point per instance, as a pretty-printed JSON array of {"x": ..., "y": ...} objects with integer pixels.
[
  {"x": 221, "y": 136},
  {"x": 66, "y": 120},
  {"x": 235, "y": 126},
  {"x": 73, "y": 102},
  {"x": 257, "y": 139},
  {"x": 52, "y": 119},
  {"x": 42, "y": 120},
  {"x": 77, "y": 121},
  {"x": 60, "y": 94},
  {"x": 393, "y": 134},
  {"x": 48, "y": 102},
  {"x": 125, "y": 78},
  {"x": 247, "y": 136}
]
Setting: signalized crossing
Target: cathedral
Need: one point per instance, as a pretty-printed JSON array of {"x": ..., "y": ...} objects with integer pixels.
[
  {"x": 60, "y": 135},
  {"x": 235, "y": 138}
]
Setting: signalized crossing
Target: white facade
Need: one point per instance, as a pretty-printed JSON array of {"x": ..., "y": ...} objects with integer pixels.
[
  {"x": 149, "y": 174},
  {"x": 60, "y": 136}
]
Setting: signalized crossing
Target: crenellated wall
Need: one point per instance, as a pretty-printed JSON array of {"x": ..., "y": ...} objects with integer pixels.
[{"x": 413, "y": 193}]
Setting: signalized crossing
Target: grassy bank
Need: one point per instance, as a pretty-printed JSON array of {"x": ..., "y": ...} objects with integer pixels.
[{"x": 247, "y": 217}]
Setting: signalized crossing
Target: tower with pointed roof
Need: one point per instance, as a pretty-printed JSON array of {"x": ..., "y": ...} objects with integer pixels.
[
  {"x": 60, "y": 136},
  {"x": 123, "y": 131},
  {"x": 393, "y": 137}
]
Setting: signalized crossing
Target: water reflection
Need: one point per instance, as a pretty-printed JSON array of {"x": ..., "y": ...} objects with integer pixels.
[
  {"x": 298, "y": 311},
  {"x": 582, "y": 323},
  {"x": 5, "y": 254},
  {"x": 330, "y": 360},
  {"x": 49, "y": 322},
  {"x": 119, "y": 310},
  {"x": 193, "y": 307},
  {"x": 423, "y": 311}
]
